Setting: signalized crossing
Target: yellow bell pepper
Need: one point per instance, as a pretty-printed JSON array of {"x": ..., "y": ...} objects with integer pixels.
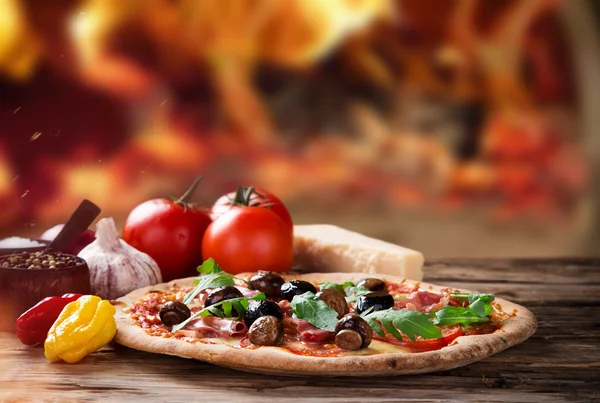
[{"x": 82, "y": 327}]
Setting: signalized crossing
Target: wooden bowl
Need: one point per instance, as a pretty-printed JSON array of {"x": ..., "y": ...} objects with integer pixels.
[{"x": 20, "y": 288}]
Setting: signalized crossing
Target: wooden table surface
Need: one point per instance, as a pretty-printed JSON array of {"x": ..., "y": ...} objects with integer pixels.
[{"x": 561, "y": 362}]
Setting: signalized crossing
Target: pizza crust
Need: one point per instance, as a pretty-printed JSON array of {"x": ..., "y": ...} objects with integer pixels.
[{"x": 274, "y": 360}]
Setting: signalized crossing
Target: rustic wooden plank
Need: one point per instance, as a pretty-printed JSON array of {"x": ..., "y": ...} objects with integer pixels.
[
  {"x": 559, "y": 363},
  {"x": 537, "y": 271}
]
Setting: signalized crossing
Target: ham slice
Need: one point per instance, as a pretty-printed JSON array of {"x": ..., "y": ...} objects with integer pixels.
[
  {"x": 285, "y": 307},
  {"x": 311, "y": 334},
  {"x": 422, "y": 301},
  {"x": 213, "y": 326},
  {"x": 246, "y": 292}
]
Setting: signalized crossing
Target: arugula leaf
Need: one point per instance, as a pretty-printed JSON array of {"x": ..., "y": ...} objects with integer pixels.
[
  {"x": 338, "y": 287},
  {"x": 478, "y": 310},
  {"x": 213, "y": 277},
  {"x": 486, "y": 298},
  {"x": 353, "y": 293},
  {"x": 227, "y": 306},
  {"x": 307, "y": 306},
  {"x": 472, "y": 297},
  {"x": 452, "y": 315},
  {"x": 408, "y": 322}
]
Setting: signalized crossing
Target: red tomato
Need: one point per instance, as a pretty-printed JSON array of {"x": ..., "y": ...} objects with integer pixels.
[
  {"x": 249, "y": 239},
  {"x": 170, "y": 232},
  {"x": 251, "y": 197},
  {"x": 448, "y": 335}
]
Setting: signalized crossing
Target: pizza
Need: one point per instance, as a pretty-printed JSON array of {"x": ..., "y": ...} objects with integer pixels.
[{"x": 327, "y": 324}]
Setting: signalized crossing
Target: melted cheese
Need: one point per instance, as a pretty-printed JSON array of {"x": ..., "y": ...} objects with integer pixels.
[{"x": 327, "y": 248}]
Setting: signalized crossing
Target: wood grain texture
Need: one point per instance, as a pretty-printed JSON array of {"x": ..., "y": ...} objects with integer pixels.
[{"x": 561, "y": 362}]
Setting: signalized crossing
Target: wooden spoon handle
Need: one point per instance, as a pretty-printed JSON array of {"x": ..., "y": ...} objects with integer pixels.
[{"x": 79, "y": 221}]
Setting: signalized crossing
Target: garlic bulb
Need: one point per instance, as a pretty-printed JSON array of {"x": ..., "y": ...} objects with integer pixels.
[{"x": 116, "y": 268}]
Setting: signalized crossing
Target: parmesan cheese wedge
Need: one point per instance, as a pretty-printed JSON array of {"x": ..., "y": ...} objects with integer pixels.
[{"x": 327, "y": 248}]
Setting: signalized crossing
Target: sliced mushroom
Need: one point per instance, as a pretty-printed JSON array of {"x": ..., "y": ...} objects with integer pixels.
[
  {"x": 347, "y": 330},
  {"x": 174, "y": 312},
  {"x": 335, "y": 300},
  {"x": 267, "y": 282},
  {"x": 372, "y": 284},
  {"x": 266, "y": 331}
]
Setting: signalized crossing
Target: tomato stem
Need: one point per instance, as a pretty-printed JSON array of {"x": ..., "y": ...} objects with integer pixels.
[
  {"x": 243, "y": 195},
  {"x": 183, "y": 200}
]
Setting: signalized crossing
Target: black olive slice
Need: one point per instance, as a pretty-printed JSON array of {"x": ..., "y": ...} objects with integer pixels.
[
  {"x": 379, "y": 301},
  {"x": 296, "y": 287},
  {"x": 258, "y": 309},
  {"x": 222, "y": 294}
]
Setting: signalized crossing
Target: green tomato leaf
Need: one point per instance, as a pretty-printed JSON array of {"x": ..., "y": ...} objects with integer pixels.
[
  {"x": 307, "y": 306},
  {"x": 410, "y": 323}
]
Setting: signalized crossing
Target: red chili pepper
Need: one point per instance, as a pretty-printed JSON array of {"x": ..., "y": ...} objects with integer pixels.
[{"x": 33, "y": 325}]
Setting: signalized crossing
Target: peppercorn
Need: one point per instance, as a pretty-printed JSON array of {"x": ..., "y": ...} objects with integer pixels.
[{"x": 41, "y": 260}]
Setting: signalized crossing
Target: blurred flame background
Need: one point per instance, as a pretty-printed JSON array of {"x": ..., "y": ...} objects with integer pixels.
[{"x": 459, "y": 128}]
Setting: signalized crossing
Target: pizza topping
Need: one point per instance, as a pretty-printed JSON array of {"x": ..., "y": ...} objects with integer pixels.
[
  {"x": 353, "y": 332},
  {"x": 309, "y": 333},
  {"x": 247, "y": 292},
  {"x": 213, "y": 277},
  {"x": 410, "y": 323},
  {"x": 296, "y": 287},
  {"x": 174, "y": 312},
  {"x": 335, "y": 300},
  {"x": 307, "y": 306},
  {"x": 213, "y": 326},
  {"x": 266, "y": 331},
  {"x": 258, "y": 309},
  {"x": 222, "y": 294},
  {"x": 374, "y": 301},
  {"x": 372, "y": 284},
  {"x": 422, "y": 301},
  {"x": 449, "y": 334},
  {"x": 480, "y": 306},
  {"x": 267, "y": 282},
  {"x": 348, "y": 288},
  {"x": 222, "y": 309}
]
